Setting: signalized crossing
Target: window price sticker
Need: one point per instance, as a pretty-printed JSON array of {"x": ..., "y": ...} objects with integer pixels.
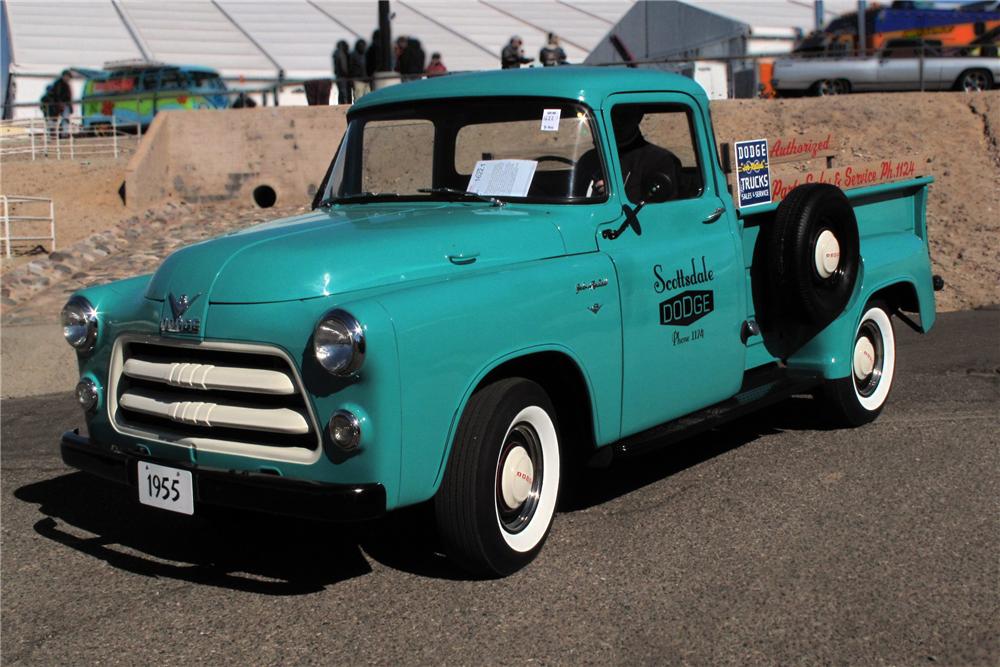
[{"x": 550, "y": 120}]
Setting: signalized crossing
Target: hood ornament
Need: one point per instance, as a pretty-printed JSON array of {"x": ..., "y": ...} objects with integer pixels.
[{"x": 177, "y": 324}]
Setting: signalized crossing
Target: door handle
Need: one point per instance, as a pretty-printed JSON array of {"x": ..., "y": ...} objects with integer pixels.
[
  {"x": 713, "y": 216},
  {"x": 463, "y": 258}
]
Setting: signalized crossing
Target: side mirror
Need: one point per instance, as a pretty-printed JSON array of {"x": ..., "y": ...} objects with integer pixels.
[{"x": 657, "y": 187}]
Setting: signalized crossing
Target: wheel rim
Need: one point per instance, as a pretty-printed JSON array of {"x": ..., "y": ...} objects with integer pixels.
[
  {"x": 531, "y": 439},
  {"x": 873, "y": 361},
  {"x": 520, "y": 472},
  {"x": 869, "y": 357},
  {"x": 826, "y": 87},
  {"x": 975, "y": 82}
]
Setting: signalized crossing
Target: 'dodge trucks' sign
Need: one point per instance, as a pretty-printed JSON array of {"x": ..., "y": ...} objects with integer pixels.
[{"x": 753, "y": 174}]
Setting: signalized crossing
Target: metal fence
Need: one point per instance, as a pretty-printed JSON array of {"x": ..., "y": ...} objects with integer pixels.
[
  {"x": 66, "y": 138},
  {"x": 15, "y": 202}
]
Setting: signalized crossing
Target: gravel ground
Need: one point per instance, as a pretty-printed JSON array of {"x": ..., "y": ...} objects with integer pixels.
[{"x": 771, "y": 541}]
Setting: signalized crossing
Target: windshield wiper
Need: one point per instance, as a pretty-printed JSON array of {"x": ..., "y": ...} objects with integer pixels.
[
  {"x": 356, "y": 196},
  {"x": 463, "y": 193}
]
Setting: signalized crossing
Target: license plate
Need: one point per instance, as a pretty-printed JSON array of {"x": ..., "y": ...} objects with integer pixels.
[{"x": 166, "y": 488}]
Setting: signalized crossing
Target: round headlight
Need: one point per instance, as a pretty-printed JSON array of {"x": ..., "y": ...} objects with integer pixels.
[
  {"x": 79, "y": 321},
  {"x": 339, "y": 343}
]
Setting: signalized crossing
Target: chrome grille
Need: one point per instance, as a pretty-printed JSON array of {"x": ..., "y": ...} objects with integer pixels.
[{"x": 225, "y": 397}]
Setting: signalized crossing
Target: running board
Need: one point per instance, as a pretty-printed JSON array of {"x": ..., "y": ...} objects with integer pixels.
[{"x": 761, "y": 387}]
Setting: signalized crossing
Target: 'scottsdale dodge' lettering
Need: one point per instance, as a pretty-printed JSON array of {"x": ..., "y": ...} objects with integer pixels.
[{"x": 680, "y": 278}]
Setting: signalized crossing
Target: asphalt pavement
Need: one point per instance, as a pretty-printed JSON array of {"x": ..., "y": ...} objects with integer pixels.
[{"x": 770, "y": 541}]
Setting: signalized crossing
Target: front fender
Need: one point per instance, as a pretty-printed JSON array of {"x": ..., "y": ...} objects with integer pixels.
[{"x": 451, "y": 334}]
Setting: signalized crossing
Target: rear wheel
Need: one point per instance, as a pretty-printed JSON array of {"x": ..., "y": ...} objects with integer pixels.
[
  {"x": 499, "y": 492},
  {"x": 828, "y": 87},
  {"x": 860, "y": 397},
  {"x": 974, "y": 81}
]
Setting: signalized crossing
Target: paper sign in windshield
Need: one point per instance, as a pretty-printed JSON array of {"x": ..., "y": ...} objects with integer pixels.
[
  {"x": 502, "y": 178},
  {"x": 753, "y": 174},
  {"x": 550, "y": 120}
]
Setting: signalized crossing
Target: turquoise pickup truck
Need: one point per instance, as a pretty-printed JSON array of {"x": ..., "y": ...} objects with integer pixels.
[{"x": 504, "y": 276}]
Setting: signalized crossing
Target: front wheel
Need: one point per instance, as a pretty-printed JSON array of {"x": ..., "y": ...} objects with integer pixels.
[
  {"x": 500, "y": 488},
  {"x": 859, "y": 398}
]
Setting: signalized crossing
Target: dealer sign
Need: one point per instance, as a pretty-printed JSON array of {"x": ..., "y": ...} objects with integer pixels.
[{"x": 753, "y": 174}]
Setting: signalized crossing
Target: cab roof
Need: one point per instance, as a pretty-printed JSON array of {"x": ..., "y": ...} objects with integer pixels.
[{"x": 579, "y": 83}]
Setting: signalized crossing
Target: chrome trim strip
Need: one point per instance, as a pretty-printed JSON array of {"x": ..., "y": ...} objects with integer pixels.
[{"x": 210, "y": 376}]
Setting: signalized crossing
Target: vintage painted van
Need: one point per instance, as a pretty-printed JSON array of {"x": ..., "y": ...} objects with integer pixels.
[{"x": 135, "y": 92}]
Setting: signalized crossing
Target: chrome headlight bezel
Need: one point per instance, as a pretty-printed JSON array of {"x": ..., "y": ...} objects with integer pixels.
[
  {"x": 79, "y": 322},
  {"x": 339, "y": 343}
]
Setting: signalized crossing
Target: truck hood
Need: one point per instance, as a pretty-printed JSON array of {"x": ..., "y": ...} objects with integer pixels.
[{"x": 352, "y": 248}]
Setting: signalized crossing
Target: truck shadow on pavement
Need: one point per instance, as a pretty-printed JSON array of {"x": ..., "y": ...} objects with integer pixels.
[
  {"x": 591, "y": 487},
  {"x": 236, "y": 550},
  {"x": 284, "y": 556}
]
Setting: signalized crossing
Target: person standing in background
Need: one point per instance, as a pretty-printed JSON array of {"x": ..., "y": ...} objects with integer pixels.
[
  {"x": 342, "y": 72},
  {"x": 436, "y": 66},
  {"x": 552, "y": 54},
  {"x": 61, "y": 102},
  {"x": 373, "y": 58},
  {"x": 358, "y": 70},
  {"x": 411, "y": 58},
  {"x": 512, "y": 56}
]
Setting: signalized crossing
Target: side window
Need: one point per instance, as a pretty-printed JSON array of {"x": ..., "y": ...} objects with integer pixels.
[
  {"x": 150, "y": 79},
  {"x": 172, "y": 80},
  {"x": 657, "y": 151}
]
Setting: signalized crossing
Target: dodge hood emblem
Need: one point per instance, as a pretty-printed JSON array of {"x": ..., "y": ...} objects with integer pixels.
[
  {"x": 180, "y": 305},
  {"x": 177, "y": 323}
]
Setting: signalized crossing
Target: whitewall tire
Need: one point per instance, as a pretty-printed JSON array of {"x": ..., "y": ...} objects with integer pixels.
[
  {"x": 860, "y": 397},
  {"x": 500, "y": 489}
]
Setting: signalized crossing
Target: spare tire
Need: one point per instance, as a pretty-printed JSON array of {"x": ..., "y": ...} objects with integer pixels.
[{"x": 813, "y": 253}]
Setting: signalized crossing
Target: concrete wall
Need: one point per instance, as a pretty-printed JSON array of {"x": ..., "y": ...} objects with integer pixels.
[{"x": 209, "y": 156}]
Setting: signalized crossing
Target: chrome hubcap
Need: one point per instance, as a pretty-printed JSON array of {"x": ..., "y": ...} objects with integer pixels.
[
  {"x": 868, "y": 359},
  {"x": 519, "y": 477}
]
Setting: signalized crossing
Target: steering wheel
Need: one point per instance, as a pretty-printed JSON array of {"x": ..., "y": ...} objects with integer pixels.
[{"x": 556, "y": 158}]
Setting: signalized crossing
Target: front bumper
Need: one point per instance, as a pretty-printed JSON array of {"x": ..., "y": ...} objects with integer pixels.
[{"x": 239, "y": 489}]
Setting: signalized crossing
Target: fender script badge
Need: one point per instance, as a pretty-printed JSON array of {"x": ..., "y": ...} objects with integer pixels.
[
  {"x": 177, "y": 324},
  {"x": 593, "y": 284}
]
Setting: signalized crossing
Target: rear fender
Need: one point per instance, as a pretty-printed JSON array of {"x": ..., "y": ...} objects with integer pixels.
[{"x": 890, "y": 262}]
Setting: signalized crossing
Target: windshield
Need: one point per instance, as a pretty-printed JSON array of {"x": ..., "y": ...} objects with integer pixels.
[{"x": 495, "y": 150}]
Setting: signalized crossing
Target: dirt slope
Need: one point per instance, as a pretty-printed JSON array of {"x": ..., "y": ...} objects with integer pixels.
[
  {"x": 85, "y": 193},
  {"x": 958, "y": 133}
]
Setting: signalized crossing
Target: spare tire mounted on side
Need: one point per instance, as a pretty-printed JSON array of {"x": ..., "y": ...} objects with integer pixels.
[{"x": 813, "y": 254}]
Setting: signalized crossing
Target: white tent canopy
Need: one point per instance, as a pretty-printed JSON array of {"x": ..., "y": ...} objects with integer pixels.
[{"x": 257, "y": 39}]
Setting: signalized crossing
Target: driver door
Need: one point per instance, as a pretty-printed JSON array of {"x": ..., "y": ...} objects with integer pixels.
[{"x": 682, "y": 279}]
